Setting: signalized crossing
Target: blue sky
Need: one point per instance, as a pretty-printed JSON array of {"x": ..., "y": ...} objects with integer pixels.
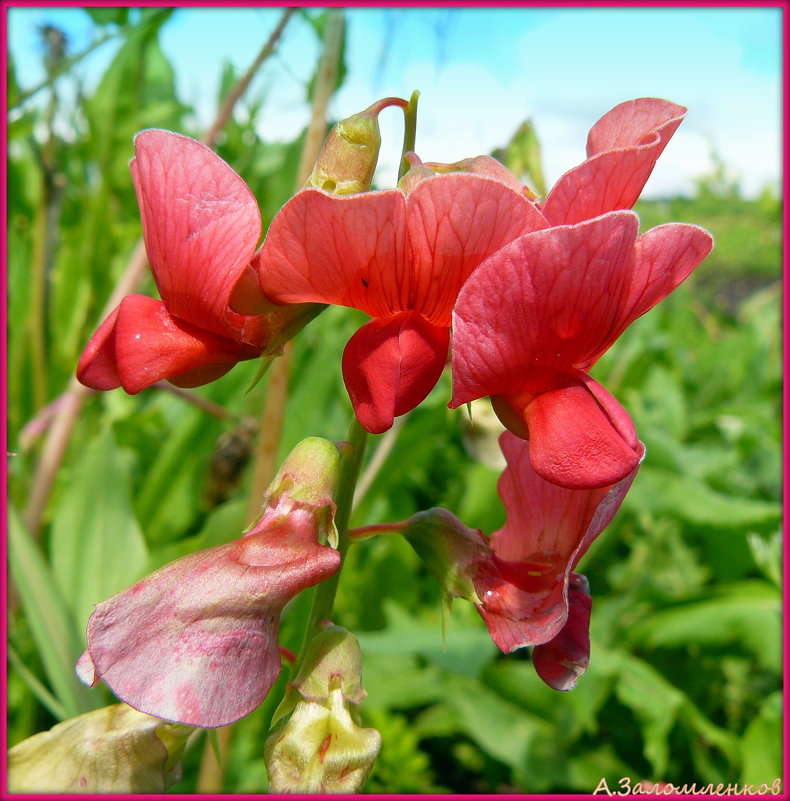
[{"x": 482, "y": 71}]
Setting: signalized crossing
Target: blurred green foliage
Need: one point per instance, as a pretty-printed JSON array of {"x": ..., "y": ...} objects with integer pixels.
[{"x": 685, "y": 676}]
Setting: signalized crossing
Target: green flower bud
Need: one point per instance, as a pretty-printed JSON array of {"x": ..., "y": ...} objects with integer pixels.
[{"x": 350, "y": 152}]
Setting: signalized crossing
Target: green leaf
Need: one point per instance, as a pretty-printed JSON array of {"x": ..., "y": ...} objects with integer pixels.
[
  {"x": 654, "y": 702},
  {"x": 465, "y": 651},
  {"x": 745, "y": 615},
  {"x": 117, "y": 15},
  {"x": 49, "y": 617},
  {"x": 658, "y": 705},
  {"x": 662, "y": 492},
  {"x": 762, "y": 744},
  {"x": 96, "y": 546}
]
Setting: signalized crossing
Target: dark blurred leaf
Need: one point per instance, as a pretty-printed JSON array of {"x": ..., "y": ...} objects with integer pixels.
[
  {"x": 745, "y": 615},
  {"x": 664, "y": 493}
]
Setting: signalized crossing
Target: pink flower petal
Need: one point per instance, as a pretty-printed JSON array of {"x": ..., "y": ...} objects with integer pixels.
[
  {"x": 622, "y": 147},
  {"x": 141, "y": 343},
  {"x": 455, "y": 222},
  {"x": 201, "y": 226},
  {"x": 539, "y": 306},
  {"x": 347, "y": 250},
  {"x": 580, "y": 436},
  {"x": 665, "y": 257},
  {"x": 196, "y": 641},
  {"x": 563, "y": 659},
  {"x": 391, "y": 365}
]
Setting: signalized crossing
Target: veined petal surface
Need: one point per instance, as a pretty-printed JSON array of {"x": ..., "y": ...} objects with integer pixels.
[
  {"x": 141, "y": 343},
  {"x": 346, "y": 250},
  {"x": 201, "y": 225},
  {"x": 622, "y": 148},
  {"x": 455, "y": 222},
  {"x": 540, "y": 306}
]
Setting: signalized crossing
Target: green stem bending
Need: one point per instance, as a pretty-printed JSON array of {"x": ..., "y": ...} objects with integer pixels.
[
  {"x": 409, "y": 132},
  {"x": 324, "y": 598}
]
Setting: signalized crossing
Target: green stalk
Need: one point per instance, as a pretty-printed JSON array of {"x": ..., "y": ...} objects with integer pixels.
[
  {"x": 409, "y": 132},
  {"x": 324, "y": 597}
]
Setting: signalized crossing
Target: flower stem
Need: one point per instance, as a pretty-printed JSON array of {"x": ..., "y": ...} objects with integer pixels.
[
  {"x": 409, "y": 132},
  {"x": 324, "y": 597}
]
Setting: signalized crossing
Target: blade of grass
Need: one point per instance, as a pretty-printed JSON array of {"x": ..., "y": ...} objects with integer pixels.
[{"x": 51, "y": 623}]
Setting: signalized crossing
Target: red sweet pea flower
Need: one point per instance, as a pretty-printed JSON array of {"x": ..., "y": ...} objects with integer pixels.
[
  {"x": 622, "y": 149},
  {"x": 521, "y": 578},
  {"x": 201, "y": 226},
  {"x": 535, "y": 317},
  {"x": 399, "y": 255}
]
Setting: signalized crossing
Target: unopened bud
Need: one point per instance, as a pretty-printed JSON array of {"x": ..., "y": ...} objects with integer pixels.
[
  {"x": 321, "y": 748},
  {"x": 350, "y": 152}
]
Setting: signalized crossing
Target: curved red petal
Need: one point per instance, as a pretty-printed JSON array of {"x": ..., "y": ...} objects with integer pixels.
[
  {"x": 97, "y": 367},
  {"x": 391, "y": 365},
  {"x": 455, "y": 222},
  {"x": 580, "y": 436},
  {"x": 563, "y": 659},
  {"x": 142, "y": 343},
  {"x": 635, "y": 123},
  {"x": 196, "y": 641},
  {"x": 665, "y": 257},
  {"x": 349, "y": 250},
  {"x": 201, "y": 225},
  {"x": 540, "y": 305},
  {"x": 622, "y": 147}
]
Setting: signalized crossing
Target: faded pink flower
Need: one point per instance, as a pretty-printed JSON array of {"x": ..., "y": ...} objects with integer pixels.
[{"x": 196, "y": 641}]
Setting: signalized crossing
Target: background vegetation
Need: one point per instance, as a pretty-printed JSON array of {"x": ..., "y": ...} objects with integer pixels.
[{"x": 685, "y": 677}]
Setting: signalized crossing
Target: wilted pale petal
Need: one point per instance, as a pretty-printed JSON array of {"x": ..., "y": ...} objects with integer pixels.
[
  {"x": 196, "y": 641},
  {"x": 111, "y": 750},
  {"x": 320, "y": 748}
]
